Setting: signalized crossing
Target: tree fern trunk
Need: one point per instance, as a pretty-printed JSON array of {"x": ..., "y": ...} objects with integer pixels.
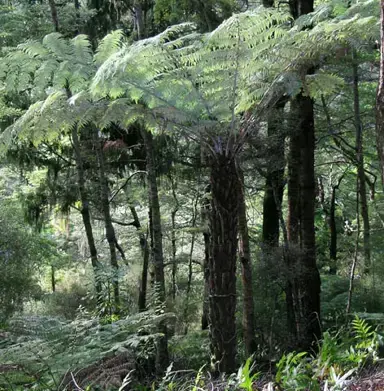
[
  {"x": 162, "y": 358},
  {"x": 222, "y": 271}
]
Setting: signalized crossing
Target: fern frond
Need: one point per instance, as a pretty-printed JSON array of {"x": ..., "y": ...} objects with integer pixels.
[{"x": 108, "y": 46}]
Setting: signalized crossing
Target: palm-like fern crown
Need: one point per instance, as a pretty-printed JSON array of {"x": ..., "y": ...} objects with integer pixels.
[
  {"x": 49, "y": 73},
  {"x": 180, "y": 77},
  {"x": 197, "y": 80}
]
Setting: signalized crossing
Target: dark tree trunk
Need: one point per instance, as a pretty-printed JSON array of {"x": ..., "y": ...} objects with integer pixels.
[
  {"x": 268, "y": 3},
  {"x": 222, "y": 271},
  {"x": 205, "y": 211},
  {"x": 360, "y": 172},
  {"x": 53, "y": 279},
  {"x": 274, "y": 181},
  {"x": 303, "y": 287},
  {"x": 246, "y": 273},
  {"x": 85, "y": 213},
  {"x": 294, "y": 163},
  {"x": 145, "y": 254},
  {"x": 333, "y": 233},
  {"x": 380, "y": 99},
  {"x": 109, "y": 229},
  {"x": 162, "y": 358},
  {"x": 55, "y": 19},
  {"x": 308, "y": 317},
  {"x": 173, "y": 239},
  {"x": 139, "y": 19}
]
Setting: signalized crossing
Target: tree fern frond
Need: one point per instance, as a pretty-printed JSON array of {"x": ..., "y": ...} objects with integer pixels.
[
  {"x": 82, "y": 50},
  {"x": 108, "y": 46},
  {"x": 56, "y": 44}
]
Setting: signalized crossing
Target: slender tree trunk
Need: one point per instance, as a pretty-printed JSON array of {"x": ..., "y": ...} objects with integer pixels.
[
  {"x": 55, "y": 19},
  {"x": 162, "y": 357},
  {"x": 274, "y": 180},
  {"x": 360, "y": 171},
  {"x": 139, "y": 19},
  {"x": 246, "y": 273},
  {"x": 380, "y": 99},
  {"x": 333, "y": 233},
  {"x": 145, "y": 254},
  {"x": 109, "y": 229},
  {"x": 222, "y": 271},
  {"x": 205, "y": 211},
  {"x": 85, "y": 213},
  {"x": 53, "y": 279},
  {"x": 356, "y": 252},
  {"x": 173, "y": 238},
  {"x": 144, "y": 246}
]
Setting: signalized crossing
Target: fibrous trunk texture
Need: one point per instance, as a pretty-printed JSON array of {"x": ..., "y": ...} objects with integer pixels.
[{"x": 225, "y": 191}]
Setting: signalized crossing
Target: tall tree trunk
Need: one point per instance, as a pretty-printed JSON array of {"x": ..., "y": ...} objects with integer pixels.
[
  {"x": 142, "y": 302},
  {"x": 85, "y": 213},
  {"x": 308, "y": 318},
  {"x": 162, "y": 357},
  {"x": 274, "y": 180},
  {"x": 109, "y": 229},
  {"x": 246, "y": 273},
  {"x": 360, "y": 170},
  {"x": 144, "y": 246},
  {"x": 294, "y": 163},
  {"x": 380, "y": 99},
  {"x": 333, "y": 233},
  {"x": 205, "y": 210},
  {"x": 173, "y": 236},
  {"x": 53, "y": 279},
  {"x": 55, "y": 19},
  {"x": 222, "y": 271},
  {"x": 303, "y": 287},
  {"x": 356, "y": 252},
  {"x": 139, "y": 19}
]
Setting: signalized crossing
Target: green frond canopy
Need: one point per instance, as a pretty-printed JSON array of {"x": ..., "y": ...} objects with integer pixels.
[{"x": 180, "y": 78}]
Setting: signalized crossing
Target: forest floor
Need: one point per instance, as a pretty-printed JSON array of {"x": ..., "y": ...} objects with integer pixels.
[{"x": 369, "y": 382}]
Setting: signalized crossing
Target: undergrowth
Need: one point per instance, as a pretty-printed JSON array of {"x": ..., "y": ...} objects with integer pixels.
[{"x": 48, "y": 354}]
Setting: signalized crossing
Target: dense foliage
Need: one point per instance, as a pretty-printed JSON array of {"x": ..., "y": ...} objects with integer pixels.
[{"x": 190, "y": 194}]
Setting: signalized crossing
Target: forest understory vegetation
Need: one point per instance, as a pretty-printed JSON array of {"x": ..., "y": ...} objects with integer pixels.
[{"x": 191, "y": 195}]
